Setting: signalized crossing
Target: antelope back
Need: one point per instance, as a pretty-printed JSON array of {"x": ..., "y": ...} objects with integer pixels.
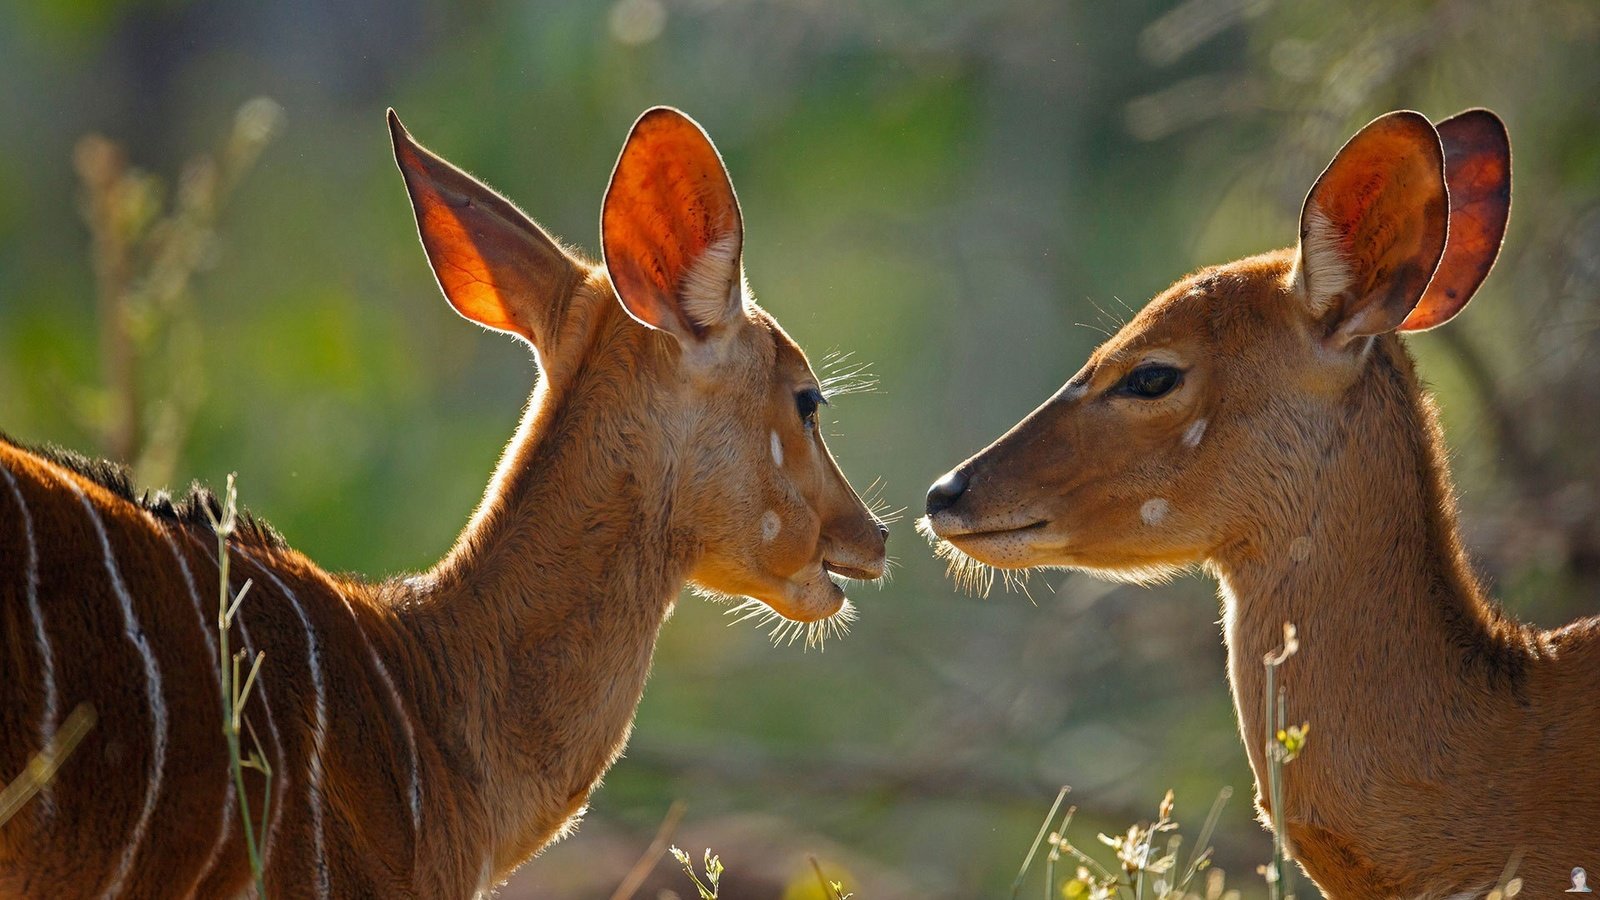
[{"x": 110, "y": 602}]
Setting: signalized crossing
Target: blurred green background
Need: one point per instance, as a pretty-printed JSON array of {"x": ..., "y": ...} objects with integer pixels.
[{"x": 962, "y": 194}]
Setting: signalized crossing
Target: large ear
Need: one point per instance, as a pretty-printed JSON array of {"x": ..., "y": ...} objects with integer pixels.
[
  {"x": 1373, "y": 228},
  {"x": 495, "y": 265},
  {"x": 1477, "y": 168},
  {"x": 671, "y": 229}
]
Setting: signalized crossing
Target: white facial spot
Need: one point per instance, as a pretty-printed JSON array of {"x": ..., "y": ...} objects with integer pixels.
[
  {"x": 769, "y": 526},
  {"x": 1192, "y": 436},
  {"x": 1076, "y": 392},
  {"x": 777, "y": 450},
  {"x": 1300, "y": 549},
  {"x": 1154, "y": 511}
]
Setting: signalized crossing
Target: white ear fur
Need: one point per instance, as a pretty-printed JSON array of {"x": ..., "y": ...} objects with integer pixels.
[
  {"x": 1322, "y": 271},
  {"x": 712, "y": 288}
]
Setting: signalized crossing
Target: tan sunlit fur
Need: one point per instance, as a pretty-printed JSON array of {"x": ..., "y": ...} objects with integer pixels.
[
  {"x": 1300, "y": 462},
  {"x": 426, "y": 734}
]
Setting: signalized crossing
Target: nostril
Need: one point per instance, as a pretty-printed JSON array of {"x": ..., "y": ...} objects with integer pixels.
[
  {"x": 946, "y": 491},
  {"x": 883, "y": 531}
]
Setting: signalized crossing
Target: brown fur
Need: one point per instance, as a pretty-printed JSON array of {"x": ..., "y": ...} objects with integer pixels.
[
  {"x": 644, "y": 461},
  {"x": 1301, "y": 462}
]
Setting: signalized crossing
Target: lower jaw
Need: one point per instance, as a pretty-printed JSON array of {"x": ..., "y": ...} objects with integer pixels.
[
  {"x": 809, "y": 595},
  {"x": 818, "y": 597},
  {"x": 1011, "y": 553}
]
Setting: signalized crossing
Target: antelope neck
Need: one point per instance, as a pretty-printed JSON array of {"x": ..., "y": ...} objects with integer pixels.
[
  {"x": 538, "y": 628},
  {"x": 1366, "y": 562}
]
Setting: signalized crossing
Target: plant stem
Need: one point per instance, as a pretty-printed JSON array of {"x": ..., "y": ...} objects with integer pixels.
[{"x": 234, "y": 694}]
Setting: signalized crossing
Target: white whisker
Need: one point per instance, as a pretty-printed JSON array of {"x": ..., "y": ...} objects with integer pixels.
[{"x": 970, "y": 575}]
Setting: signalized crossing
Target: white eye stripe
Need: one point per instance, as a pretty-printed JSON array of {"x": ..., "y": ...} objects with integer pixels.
[{"x": 777, "y": 449}]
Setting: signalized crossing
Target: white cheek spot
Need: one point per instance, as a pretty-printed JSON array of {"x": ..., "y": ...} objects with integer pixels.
[
  {"x": 1154, "y": 511},
  {"x": 777, "y": 450},
  {"x": 1300, "y": 549},
  {"x": 1191, "y": 437},
  {"x": 769, "y": 526}
]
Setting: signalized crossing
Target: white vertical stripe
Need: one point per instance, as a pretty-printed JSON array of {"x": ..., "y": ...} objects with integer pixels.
[
  {"x": 49, "y": 713},
  {"x": 230, "y": 800},
  {"x": 414, "y": 765},
  {"x": 152, "y": 687},
  {"x": 319, "y": 726},
  {"x": 413, "y": 770}
]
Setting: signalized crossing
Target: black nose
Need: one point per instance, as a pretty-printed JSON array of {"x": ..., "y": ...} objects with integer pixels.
[{"x": 946, "y": 491}]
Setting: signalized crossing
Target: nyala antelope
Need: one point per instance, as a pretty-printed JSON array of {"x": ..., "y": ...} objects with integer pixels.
[
  {"x": 1264, "y": 420},
  {"x": 428, "y": 734}
]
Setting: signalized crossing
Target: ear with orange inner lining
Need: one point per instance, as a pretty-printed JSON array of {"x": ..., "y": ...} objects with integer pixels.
[
  {"x": 1477, "y": 168},
  {"x": 1373, "y": 228},
  {"x": 671, "y": 230},
  {"x": 495, "y": 265}
]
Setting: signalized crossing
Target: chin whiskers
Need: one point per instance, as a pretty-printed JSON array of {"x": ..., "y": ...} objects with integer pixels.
[
  {"x": 835, "y": 626},
  {"x": 787, "y": 632},
  {"x": 971, "y": 576},
  {"x": 1017, "y": 580}
]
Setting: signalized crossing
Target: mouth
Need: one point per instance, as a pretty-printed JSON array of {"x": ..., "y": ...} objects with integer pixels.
[
  {"x": 809, "y": 605},
  {"x": 977, "y": 557},
  {"x": 854, "y": 573},
  {"x": 979, "y": 534}
]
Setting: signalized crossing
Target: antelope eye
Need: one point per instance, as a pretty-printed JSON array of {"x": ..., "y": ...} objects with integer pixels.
[
  {"x": 806, "y": 403},
  {"x": 1150, "y": 382}
]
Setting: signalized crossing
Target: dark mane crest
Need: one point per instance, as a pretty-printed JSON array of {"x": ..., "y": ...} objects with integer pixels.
[{"x": 188, "y": 510}]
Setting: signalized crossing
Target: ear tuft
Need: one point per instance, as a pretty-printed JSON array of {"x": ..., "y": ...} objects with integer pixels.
[
  {"x": 671, "y": 230},
  {"x": 712, "y": 286},
  {"x": 1321, "y": 241}
]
